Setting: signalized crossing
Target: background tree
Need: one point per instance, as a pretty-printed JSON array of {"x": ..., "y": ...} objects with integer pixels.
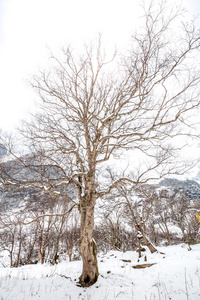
[
  {"x": 93, "y": 109},
  {"x": 162, "y": 215}
]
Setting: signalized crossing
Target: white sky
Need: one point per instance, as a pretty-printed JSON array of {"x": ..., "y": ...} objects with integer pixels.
[{"x": 29, "y": 27}]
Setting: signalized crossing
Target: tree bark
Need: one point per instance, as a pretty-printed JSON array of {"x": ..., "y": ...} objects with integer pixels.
[
  {"x": 41, "y": 253},
  {"x": 88, "y": 246},
  {"x": 145, "y": 239},
  {"x": 20, "y": 246}
]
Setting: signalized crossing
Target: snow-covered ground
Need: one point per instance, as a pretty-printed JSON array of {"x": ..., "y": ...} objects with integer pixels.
[{"x": 175, "y": 275}]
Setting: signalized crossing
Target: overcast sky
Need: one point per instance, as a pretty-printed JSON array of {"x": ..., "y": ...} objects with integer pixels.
[{"x": 29, "y": 27}]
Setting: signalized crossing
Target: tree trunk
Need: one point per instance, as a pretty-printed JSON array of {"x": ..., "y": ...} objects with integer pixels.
[
  {"x": 20, "y": 246},
  {"x": 88, "y": 246},
  {"x": 145, "y": 239},
  {"x": 40, "y": 243},
  {"x": 11, "y": 250},
  {"x": 149, "y": 244},
  {"x": 70, "y": 248},
  {"x": 56, "y": 256}
]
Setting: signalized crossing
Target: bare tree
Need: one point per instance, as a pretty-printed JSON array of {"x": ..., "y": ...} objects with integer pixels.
[
  {"x": 162, "y": 214},
  {"x": 137, "y": 204},
  {"x": 90, "y": 115}
]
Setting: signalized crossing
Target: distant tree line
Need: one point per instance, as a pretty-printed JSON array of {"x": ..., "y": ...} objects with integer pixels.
[{"x": 38, "y": 227}]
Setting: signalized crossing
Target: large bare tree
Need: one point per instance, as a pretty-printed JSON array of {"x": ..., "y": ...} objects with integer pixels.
[{"x": 93, "y": 109}]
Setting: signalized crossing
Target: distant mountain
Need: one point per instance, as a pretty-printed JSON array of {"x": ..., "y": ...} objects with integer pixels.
[
  {"x": 191, "y": 187},
  {"x": 3, "y": 150}
]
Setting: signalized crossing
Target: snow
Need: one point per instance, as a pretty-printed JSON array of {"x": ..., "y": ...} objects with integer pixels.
[{"x": 174, "y": 275}]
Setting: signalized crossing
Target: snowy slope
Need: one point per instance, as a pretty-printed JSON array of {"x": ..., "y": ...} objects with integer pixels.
[{"x": 175, "y": 275}]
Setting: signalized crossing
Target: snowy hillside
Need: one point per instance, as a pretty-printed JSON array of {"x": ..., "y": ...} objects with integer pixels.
[{"x": 174, "y": 275}]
